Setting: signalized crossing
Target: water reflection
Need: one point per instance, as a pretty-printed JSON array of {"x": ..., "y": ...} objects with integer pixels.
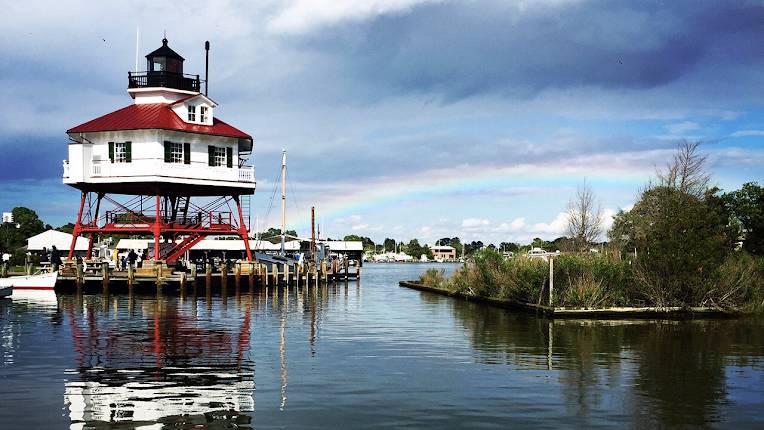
[
  {"x": 377, "y": 354},
  {"x": 660, "y": 373},
  {"x": 157, "y": 360},
  {"x": 176, "y": 362}
]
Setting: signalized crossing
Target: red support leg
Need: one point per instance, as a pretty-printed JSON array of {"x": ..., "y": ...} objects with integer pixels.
[
  {"x": 77, "y": 226},
  {"x": 243, "y": 228},
  {"x": 157, "y": 229},
  {"x": 94, "y": 223}
]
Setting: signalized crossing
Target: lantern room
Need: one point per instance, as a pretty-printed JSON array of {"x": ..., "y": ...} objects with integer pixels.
[{"x": 164, "y": 69}]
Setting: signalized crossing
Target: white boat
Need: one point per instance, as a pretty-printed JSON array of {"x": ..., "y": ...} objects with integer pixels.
[{"x": 42, "y": 281}]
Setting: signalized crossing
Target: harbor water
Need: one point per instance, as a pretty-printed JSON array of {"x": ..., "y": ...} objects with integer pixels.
[{"x": 363, "y": 354}]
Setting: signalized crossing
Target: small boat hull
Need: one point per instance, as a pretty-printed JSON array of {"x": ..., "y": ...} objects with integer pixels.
[
  {"x": 43, "y": 281},
  {"x": 6, "y": 291}
]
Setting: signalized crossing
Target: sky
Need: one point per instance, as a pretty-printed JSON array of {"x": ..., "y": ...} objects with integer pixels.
[{"x": 407, "y": 118}]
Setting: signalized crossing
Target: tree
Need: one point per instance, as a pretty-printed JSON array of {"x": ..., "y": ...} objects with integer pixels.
[
  {"x": 414, "y": 249},
  {"x": 584, "y": 218},
  {"x": 681, "y": 235},
  {"x": 271, "y": 232},
  {"x": 747, "y": 207},
  {"x": 540, "y": 243},
  {"x": 28, "y": 221},
  {"x": 509, "y": 247},
  {"x": 686, "y": 172},
  {"x": 368, "y": 244},
  {"x": 389, "y": 244},
  {"x": 66, "y": 228}
]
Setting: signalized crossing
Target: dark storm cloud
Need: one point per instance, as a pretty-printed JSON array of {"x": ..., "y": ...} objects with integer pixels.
[
  {"x": 456, "y": 50},
  {"x": 31, "y": 157}
]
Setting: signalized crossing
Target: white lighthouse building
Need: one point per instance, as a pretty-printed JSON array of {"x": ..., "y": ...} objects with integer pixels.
[{"x": 166, "y": 147}]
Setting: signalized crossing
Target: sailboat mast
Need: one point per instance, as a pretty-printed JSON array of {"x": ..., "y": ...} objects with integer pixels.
[{"x": 283, "y": 201}]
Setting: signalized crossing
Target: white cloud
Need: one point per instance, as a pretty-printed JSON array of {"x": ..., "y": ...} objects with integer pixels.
[
  {"x": 474, "y": 223},
  {"x": 748, "y": 133},
  {"x": 680, "y": 128},
  {"x": 301, "y": 16}
]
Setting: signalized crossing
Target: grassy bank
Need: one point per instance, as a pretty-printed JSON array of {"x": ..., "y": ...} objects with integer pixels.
[{"x": 593, "y": 281}]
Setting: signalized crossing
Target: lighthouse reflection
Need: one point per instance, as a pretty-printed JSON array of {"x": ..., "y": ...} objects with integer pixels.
[{"x": 154, "y": 362}]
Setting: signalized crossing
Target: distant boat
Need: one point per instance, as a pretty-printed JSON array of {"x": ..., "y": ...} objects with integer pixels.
[{"x": 43, "y": 281}]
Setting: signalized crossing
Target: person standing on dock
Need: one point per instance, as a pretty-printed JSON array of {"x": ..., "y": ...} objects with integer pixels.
[
  {"x": 131, "y": 257},
  {"x": 55, "y": 258}
]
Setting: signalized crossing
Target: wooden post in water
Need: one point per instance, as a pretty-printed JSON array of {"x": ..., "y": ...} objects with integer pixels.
[
  {"x": 80, "y": 275},
  {"x": 237, "y": 274},
  {"x": 347, "y": 268},
  {"x": 224, "y": 274},
  {"x": 130, "y": 275},
  {"x": 551, "y": 281},
  {"x": 275, "y": 275},
  {"x": 182, "y": 284},
  {"x": 251, "y": 275},
  {"x": 208, "y": 276},
  {"x": 265, "y": 275},
  {"x": 286, "y": 274},
  {"x": 105, "y": 276},
  {"x": 193, "y": 273}
]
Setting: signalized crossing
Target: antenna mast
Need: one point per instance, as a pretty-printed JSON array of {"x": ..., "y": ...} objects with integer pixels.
[
  {"x": 137, "y": 44},
  {"x": 206, "y": 67}
]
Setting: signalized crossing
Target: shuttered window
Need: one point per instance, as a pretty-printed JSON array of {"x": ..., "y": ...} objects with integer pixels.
[
  {"x": 220, "y": 156},
  {"x": 175, "y": 152},
  {"x": 120, "y": 152}
]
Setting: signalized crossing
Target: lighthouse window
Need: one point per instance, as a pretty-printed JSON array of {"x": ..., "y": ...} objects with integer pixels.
[
  {"x": 191, "y": 113},
  {"x": 203, "y": 114},
  {"x": 120, "y": 153},
  {"x": 220, "y": 159},
  {"x": 177, "y": 152}
]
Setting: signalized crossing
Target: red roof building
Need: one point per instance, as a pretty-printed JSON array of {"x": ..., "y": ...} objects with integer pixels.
[{"x": 154, "y": 116}]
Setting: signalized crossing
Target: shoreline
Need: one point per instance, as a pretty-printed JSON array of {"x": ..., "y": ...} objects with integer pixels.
[{"x": 578, "y": 313}]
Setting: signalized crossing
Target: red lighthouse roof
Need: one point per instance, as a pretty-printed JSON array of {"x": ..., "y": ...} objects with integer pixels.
[{"x": 155, "y": 116}]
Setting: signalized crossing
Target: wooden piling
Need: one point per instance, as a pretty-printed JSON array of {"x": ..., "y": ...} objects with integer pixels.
[
  {"x": 286, "y": 274},
  {"x": 193, "y": 273},
  {"x": 130, "y": 275},
  {"x": 224, "y": 274},
  {"x": 551, "y": 281},
  {"x": 79, "y": 274}
]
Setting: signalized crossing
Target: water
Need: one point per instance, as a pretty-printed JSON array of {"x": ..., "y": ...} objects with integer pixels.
[{"x": 365, "y": 355}]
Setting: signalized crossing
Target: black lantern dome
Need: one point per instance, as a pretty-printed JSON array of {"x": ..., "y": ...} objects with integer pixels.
[
  {"x": 164, "y": 68},
  {"x": 164, "y": 59}
]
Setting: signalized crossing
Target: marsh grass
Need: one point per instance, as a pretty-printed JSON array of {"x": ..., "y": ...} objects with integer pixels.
[{"x": 593, "y": 281}]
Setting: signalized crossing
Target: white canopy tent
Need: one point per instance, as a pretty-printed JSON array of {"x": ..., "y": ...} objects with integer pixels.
[{"x": 61, "y": 240}]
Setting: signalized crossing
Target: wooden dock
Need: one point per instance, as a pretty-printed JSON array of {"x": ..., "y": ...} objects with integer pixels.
[{"x": 162, "y": 277}]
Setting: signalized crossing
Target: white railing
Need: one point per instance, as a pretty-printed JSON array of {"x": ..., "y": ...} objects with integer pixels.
[
  {"x": 247, "y": 174},
  {"x": 66, "y": 169},
  {"x": 137, "y": 168}
]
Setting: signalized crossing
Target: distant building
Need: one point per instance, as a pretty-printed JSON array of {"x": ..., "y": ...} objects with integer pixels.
[
  {"x": 7, "y": 217},
  {"x": 443, "y": 253}
]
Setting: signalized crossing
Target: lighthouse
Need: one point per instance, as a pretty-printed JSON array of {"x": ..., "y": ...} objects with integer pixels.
[{"x": 166, "y": 165}]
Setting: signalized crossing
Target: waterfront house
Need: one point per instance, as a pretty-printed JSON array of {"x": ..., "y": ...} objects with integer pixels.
[{"x": 443, "y": 253}]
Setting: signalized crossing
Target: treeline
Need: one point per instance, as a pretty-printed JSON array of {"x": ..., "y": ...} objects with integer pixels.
[
  {"x": 684, "y": 243},
  {"x": 13, "y": 235}
]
